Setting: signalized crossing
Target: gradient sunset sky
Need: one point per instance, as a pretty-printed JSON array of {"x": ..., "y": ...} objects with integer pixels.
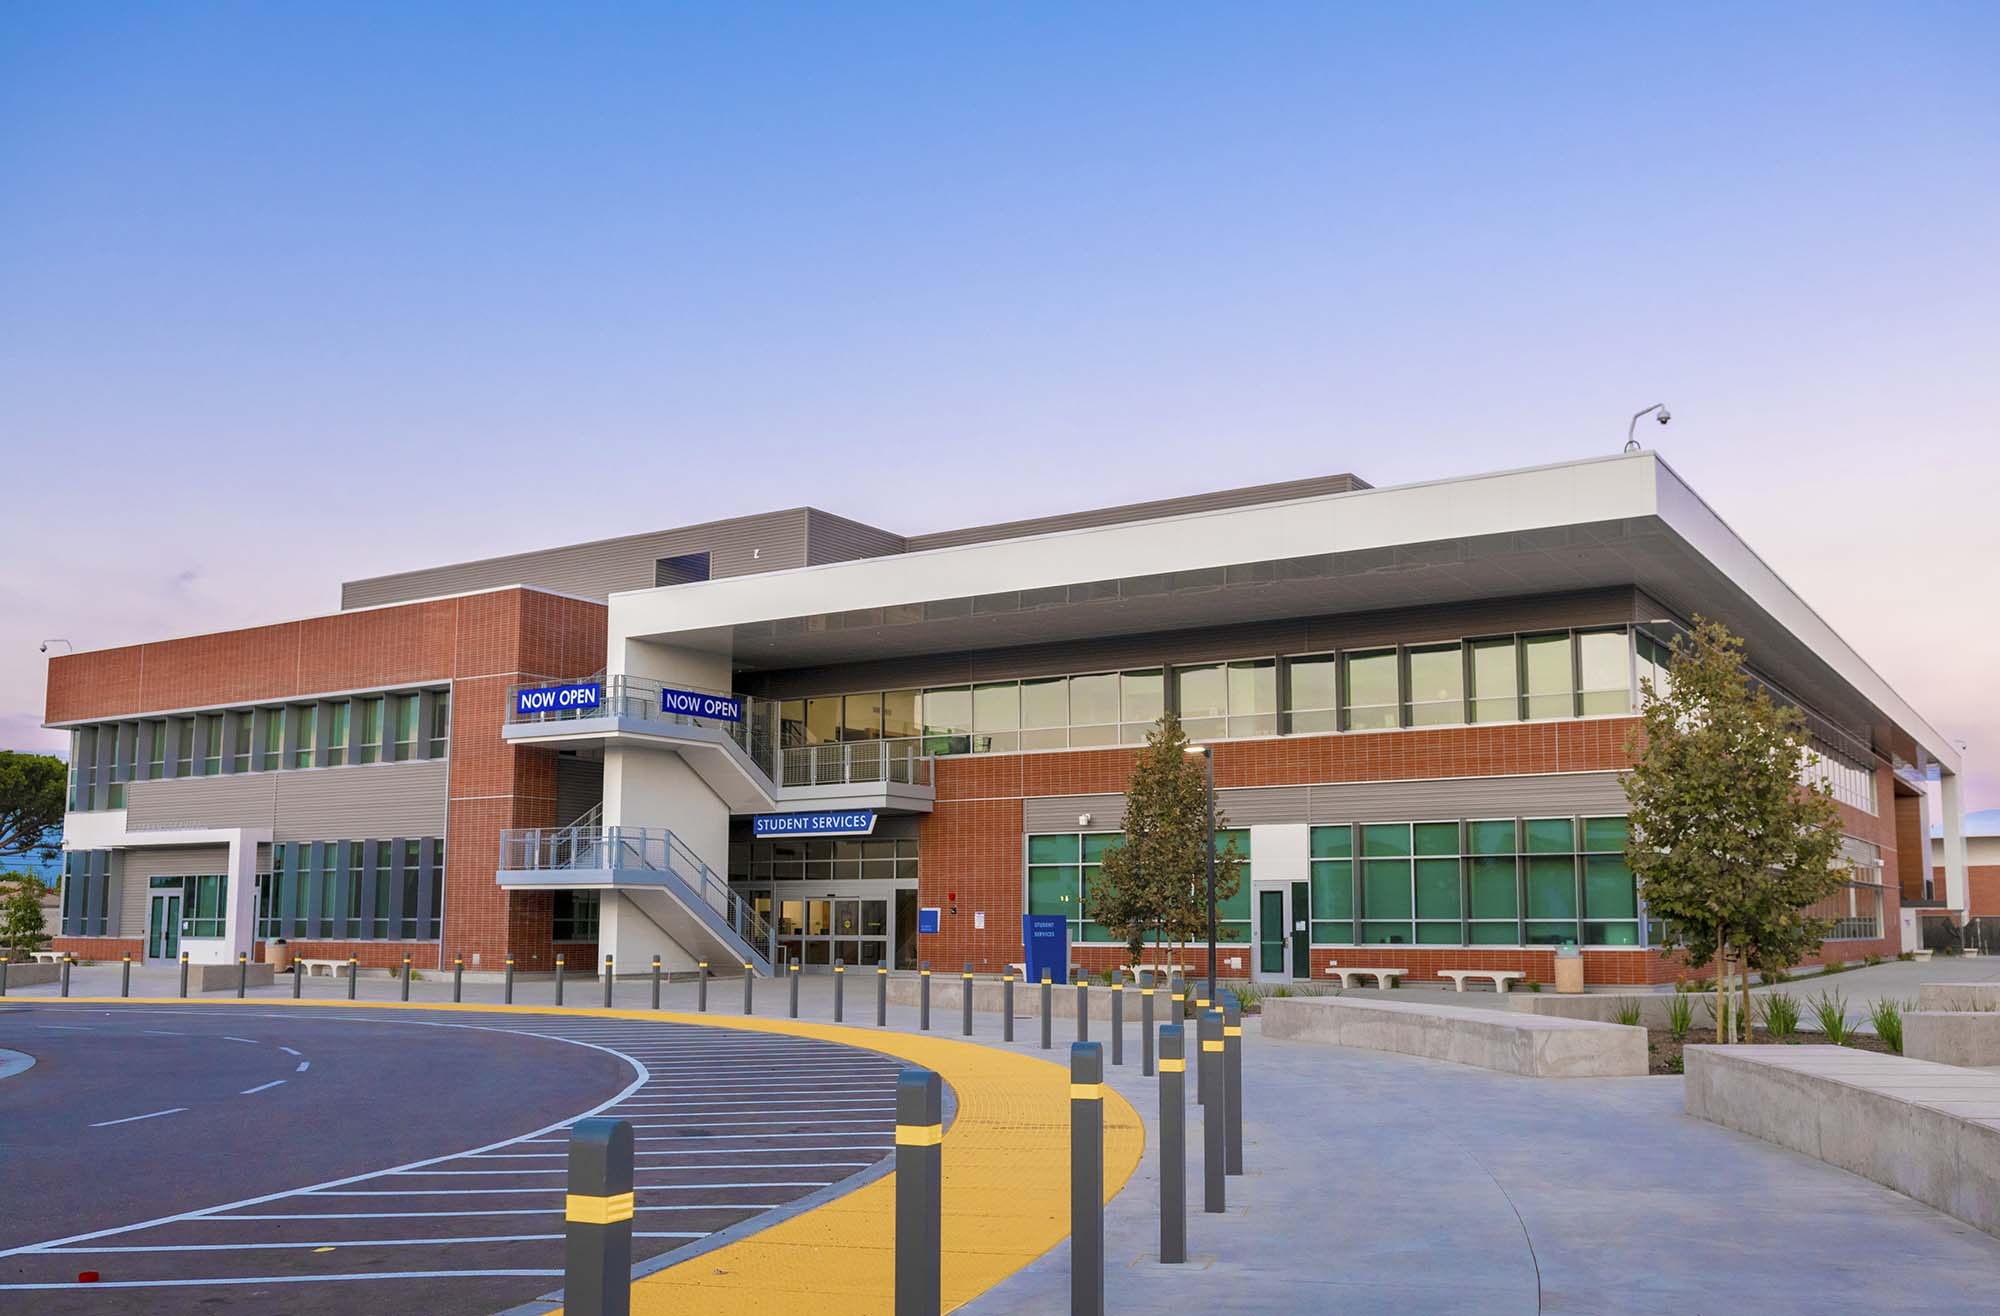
[{"x": 296, "y": 293}]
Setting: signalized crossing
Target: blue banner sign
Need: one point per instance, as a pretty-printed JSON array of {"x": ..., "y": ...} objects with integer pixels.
[
  {"x": 693, "y": 703},
  {"x": 584, "y": 697},
  {"x": 860, "y": 822},
  {"x": 1045, "y": 938}
]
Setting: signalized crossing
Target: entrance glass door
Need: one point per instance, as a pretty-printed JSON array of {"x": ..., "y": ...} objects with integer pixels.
[
  {"x": 1300, "y": 915},
  {"x": 1271, "y": 933},
  {"x": 163, "y": 929}
]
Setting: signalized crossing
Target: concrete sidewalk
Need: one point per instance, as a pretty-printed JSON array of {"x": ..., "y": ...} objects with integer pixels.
[{"x": 1389, "y": 1184}]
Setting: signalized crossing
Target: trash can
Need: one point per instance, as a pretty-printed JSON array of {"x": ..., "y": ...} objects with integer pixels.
[
  {"x": 1569, "y": 970},
  {"x": 279, "y": 954}
]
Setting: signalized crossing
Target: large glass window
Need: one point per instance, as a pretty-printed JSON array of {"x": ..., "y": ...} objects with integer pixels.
[
  {"x": 899, "y": 715},
  {"x": 1228, "y": 699},
  {"x": 204, "y": 906},
  {"x": 211, "y": 744},
  {"x": 1387, "y": 897},
  {"x": 1436, "y": 685},
  {"x": 862, "y": 717},
  {"x": 1496, "y": 681},
  {"x": 371, "y": 729},
  {"x": 1610, "y": 896},
  {"x": 948, "y": 720},
  {"x": 1604, "y": 665},
  {"x": 1332, "y": 885},
  {"x": 1652, "y": 654},
  {"x": 1203, "y": 693},
  {"x": 1372, "y": 698},
  {"x": 440, "y": 728},
  {"x": 996, "y": 717},
  {"x": 1045, "y": 713},
  {"x": 305, "y": 733},
  {"x": 1142, "y": 698},
  {"x": 1093, "y": 709},
  {"x": 1312, "y": 696},
  {"x": 403, "y": 714},
  {"x": 1494, "y": 876},
  {"x": 1545, "y": 661},
  {"x": 336, "y": 741},
  {"x": 575, "y": 916}
]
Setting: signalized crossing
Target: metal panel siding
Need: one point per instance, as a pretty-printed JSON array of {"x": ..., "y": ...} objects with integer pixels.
[
  {"x": 1212, "y": 644},
  {"x": 147, "y": 862},
  {"x": 134, "y": 899},
  {"x": 769, "y": 541},
  {"x": 1204, "y": 502},
  {"x": 318, "y": 804},
  {"x": 1551, "y": 795},
  {"x": 579, "y": 788},
  {"x": 831, "y": 538}
]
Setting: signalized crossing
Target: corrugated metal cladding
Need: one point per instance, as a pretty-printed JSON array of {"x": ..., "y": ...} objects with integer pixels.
[
  {"x": 1552, "y": 795},
  {"x": 831, "y": 538},
  {"x": 1608, "y": 607},
  {"x": 133, "y": 869},
  {"x": 579, "y": 788},
  {"x": 317, "y": 804},
  {"x": 1205, "y": 502}
]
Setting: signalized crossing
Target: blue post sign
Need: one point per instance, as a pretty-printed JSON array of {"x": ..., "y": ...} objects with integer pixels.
[
  {"x": 1046, "y": 939},
  {"x": 857, "y": 822},
  {"x": 583, "y": 697},
  {"x": 693, "y": 703},
  {"x": 927, "y": 921}
]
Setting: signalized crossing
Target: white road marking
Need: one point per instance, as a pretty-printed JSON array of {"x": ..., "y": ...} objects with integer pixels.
[
  {"x": 247, "y": 1041},
  {"x": 333, "y": 1243},
  {"x": 304, "y": 1065},
  {"x": 553, "y": 1188},
  {"x": 264, "y": 1087},
  {"x": 288, "y": 1051},
  {"x": 511, "y": 1210},
  {"x": 105, "y": 1124},
  {"x": 668, "y": 1169},
  {"x": 162, "y": 1032},
  {"x": 63, "y": 1028}
]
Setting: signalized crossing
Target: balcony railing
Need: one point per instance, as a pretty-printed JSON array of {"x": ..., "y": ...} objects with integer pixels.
[
  {"x": 583, "y": 848},
  {"x": 857, "y": 761}
]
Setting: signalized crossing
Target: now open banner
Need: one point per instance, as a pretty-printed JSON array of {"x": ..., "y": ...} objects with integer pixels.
[
  {"x": 583, "y": 697},
  {"x": 693, "y": 703}
]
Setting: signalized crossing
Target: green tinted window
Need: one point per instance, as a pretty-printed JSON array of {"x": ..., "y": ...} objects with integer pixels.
[
  {"x": 1385, "y": 840},
  {"x": 1551, "y": 888},
  {"x": 1604, "y": 835},
  {"x": 1060, "y": 849},
  {"x": 1551, "y": 836},
  {"x": 1332, "y": 843},
  {"x": 1495, "y": 837},
  {"x": 1436, "y": 838},
  {"x": 1096, "y": 844},
  {"x": 1053, "y": 891},
  {"x": 1386, "y": 888},
  {"x": 1332, "y": 890},
  {"x": 1437, "y": 889},
  {"x": 1608, "y": 889},
  {"x": 1493, "y": 891}
]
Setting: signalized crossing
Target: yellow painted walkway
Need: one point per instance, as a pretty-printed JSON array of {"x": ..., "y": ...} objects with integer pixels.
[{"x": 1006, "y": 1179}]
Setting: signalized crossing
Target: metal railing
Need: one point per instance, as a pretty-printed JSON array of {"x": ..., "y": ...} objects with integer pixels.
[
  {"x": 862, "y": 761},
  {"x": 556, "y": 849}
]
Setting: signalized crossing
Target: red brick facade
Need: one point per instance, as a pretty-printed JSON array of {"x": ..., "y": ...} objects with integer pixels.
[
  {"x": 972, "y": 843},
  {"x": 480, "y": 643}
]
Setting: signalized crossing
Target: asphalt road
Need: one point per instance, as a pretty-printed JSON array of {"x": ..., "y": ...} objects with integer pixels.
[{"x": 283, "y": 1160}]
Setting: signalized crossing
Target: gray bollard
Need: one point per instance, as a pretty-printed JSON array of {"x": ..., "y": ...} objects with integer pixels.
[
  {"x": 965, "y": 985},
  {"x": 839, "y": 990},
  {"x": 1146, "y": 1023},
  {"x": 125, "y": 977},
  {"x": 298, "y": 980},
  {"x": 184, "y": 975},
  {"x": 701, "y": 988},
  {"x": 608, "y": 976},
  {"x": 1048, "y": 1001},
  {"x": 559, "y": 979},
  {"x": 656, "y": 982},
  {"x": 1086, "y": 1179},
  {"x": 353, "y": 974},
  {"x": 242, "y": 975},
  {"x": 597, "y": 1220},
  {"x": 3, "y": 975},
  {"x": 458, "y": 979},
  {"x": 749, "y": 1002},
  {"x": 1214, "y": 1143},
  {"x": 795, "y": 989},
  {"x": 882, "y": 995},
  {"x": 1007, "y": 1005},
  {"x": 1118, "y": 1022},
  {"x": 1082, "y": 1011},
  {"x": 509, "y": 998},
  {"x": 68, "y": 960},
  {"x": 924, "y": 996},
  {"x": 406, "y": 977},
  {"x": 1201, "y": 1007},
  {"x": 1232, "y": 1085},
  {"x": 919, "y": 1193},
  {"x": 1173, "y": 1144}
]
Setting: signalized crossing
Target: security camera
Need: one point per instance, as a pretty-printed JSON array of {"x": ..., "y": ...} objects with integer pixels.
[
  {"x": 45, "y": 646},
  {"x": 1664, "y": 416},
  {"x": 1083, "y": 820}
]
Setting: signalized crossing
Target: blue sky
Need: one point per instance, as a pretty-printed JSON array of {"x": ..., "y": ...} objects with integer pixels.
[{"x": 296, "y": 293}]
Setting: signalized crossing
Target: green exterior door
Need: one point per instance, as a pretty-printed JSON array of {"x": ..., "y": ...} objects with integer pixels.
[
  {"x": 1270, "y": 932},
  {"x": 163, "y": 929},
  {"x": 1302, "y": 930}
]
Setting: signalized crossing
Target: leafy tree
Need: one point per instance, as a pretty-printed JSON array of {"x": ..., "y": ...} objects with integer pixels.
[
  {"x": 1153, "y": 886},
  {"x": 22, "y": 928},
  {"x": 31, "y": 802},
  {"x": 1729, "y": 846}
]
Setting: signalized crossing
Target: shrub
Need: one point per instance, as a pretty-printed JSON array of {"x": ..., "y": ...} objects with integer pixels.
[
  {"x": 1776, "y": 976},
  {"x": 1830, "y": 1008},
  {"x": 1872, "y": 961},
  {"x": 1832, "y": 966},
  {"x": 1532, "y": 985},
  {"x": 1676, "y": 1065},
  {"x": 1779, "y": 1014},
  {"x": 1887, "y": 1016},
  {"x": 1628, "y": 1014},
  {"x": 1680, "y": 1016},
  {"x": 1906, "y": 956}
]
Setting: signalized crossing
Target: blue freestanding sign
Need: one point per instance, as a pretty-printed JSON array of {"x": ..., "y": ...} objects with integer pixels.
[{"x": 1046, "y": 939}]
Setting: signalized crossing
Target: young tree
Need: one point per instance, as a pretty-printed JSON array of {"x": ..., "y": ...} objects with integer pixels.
[
  {"x": 22, "y": 928},
  {"x": 31, "y": 803},
  {"x": 1729, "y": 843},
  {"x": 1154, "y": 884}
]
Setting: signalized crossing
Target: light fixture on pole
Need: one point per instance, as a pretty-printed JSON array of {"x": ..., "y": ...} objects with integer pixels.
[
  {"x": 1208, "y": 766},
  {"x": 64, "y": 643},
  {"x": 1631, "y": 440}
]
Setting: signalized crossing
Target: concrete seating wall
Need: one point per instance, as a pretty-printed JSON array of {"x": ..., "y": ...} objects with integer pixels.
[
  {"x": 1531, "y": 1045},
  {"x": 1959, "y": 997},
  {"x": 1604, "y": 1006},
  {"x": 222, "y": 977},
  {"x": 1928, "y": 1131},
  {"x": 1970, "y": 1040},
  {"x": 28, "y": 974}
]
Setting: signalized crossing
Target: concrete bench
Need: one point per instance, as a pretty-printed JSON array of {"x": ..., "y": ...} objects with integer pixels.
[
  {"x": 1970, "y": 1040},
  {"x": 1500, "y": 978},
  {"x": 50, "y": 956},
  {"x": 1533, "y": 1045},
  {"x": 1386, "y": 977},
  {"x": 312, "y": 968},
  {"x": 1929, "y": 1131}
]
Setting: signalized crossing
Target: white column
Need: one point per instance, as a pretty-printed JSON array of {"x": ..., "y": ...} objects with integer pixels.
[{"x": 1957, "y": 893}]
